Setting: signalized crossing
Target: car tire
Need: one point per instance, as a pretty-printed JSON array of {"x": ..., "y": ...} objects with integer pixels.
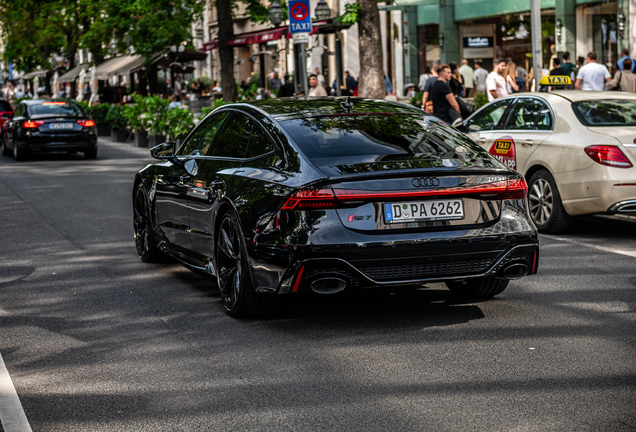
[
  {"x": 143, "y": 227},
  {"x": 546, "y": 208},
  {"x": 233, "y": 275},
  {"x": 5, "y": 150},
  {"x": 478, "y": 287},
  {"x": 90, "y": 153},
  {"x": 18, "y": 154}
]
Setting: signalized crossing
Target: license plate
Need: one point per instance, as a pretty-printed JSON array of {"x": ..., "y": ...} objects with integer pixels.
[
  {"x": 61, "y": 126},
  {"x": 413, "y": 211}
]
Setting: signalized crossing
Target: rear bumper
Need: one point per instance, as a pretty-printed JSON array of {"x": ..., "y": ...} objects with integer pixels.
[
  {"x": 623, "y": 207},
  {"x": 41, "y": 143}
]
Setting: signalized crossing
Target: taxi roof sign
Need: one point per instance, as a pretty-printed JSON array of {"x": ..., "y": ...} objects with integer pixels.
[{"x": 561, "y": 80}]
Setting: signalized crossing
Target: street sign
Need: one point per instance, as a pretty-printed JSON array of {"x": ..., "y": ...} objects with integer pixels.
[
  {"x": 299, "y": 16},
  {"x": 301, "y": 37}
]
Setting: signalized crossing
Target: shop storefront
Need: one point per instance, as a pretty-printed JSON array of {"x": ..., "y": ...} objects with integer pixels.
[{"x": 597, "y": 29}]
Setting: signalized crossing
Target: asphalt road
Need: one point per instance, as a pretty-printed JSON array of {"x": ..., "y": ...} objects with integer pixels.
[{"x": 96, "y": 340}]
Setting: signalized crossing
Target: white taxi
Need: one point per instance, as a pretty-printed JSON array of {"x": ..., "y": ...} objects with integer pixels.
[{"x": 577, "y": 150}]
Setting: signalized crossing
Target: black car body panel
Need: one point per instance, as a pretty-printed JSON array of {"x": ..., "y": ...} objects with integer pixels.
[{"x": 353, "y": 240}]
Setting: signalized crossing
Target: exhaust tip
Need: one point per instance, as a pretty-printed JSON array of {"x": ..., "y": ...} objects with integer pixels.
[
  {"x": 515, "y": 271},
  {"x": 328, "y": 285}
]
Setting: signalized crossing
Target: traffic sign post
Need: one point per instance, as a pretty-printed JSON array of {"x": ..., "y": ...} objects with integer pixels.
[{"x": 300, "y": 28}]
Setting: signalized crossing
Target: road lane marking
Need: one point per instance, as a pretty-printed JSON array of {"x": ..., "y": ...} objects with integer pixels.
[
  {"x": 590, "y": 245},
  {"x": 11, "y": 413}
]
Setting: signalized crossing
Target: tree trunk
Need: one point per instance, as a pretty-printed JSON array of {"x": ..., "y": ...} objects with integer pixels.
[
  {"x": 371, "y": 83},
  {"x": 226, "y": 52}
]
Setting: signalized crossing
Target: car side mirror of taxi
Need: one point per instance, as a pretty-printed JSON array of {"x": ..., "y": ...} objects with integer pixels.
[{"x": 163, "y": 151}]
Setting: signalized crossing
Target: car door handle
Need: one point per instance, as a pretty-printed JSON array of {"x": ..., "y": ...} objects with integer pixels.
[
  {"x": 480, "y": 140},
  {"x": 527, "y": 143}
]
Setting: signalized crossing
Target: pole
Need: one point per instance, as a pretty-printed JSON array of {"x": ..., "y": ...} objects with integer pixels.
[
  {"x": 338, "y": 64},
  {"x": 535, "y": 30},
  {"x": 302, "y": 64},
  {"x": 261, "y": 61}
]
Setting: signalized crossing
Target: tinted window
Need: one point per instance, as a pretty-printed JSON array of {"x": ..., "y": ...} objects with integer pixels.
[
  {"x": 608, "y": 112},
  {"x": 201, "y": 139},
  {"x": 333, "y": 139},
  {"x": 57, "y": 108},
  {"x": 259, "y": 143},
  {"x": 5, "y": 106},
  {"x": 234, "y": 137},
  {"x": 529, "y": 114},
  {"x": 488, "y": 118}
]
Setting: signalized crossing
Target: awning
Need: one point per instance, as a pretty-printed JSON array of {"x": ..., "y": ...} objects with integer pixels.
[
  {"x": 39, "y": 74},
  {"x": 184, "y": 56},
  {"x": 117, "y": 66},
  {"x": 71, "y": 75},
  {"x": 263, "y": 36}
]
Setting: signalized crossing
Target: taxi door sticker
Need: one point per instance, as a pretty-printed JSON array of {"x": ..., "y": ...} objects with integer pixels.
[{"x": 504, "y": 151}]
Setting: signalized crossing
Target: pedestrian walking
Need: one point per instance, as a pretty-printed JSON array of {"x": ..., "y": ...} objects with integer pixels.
[
  {"x": 275, "y": 82},
  {"x": 469, "y": 77},
  {"x": 480, "y": 78},
  {"x": 427, "y": 105},
  {"x": 350, "y": 82},
  {"x": 445, "y": 106},
  {"x": 592, "y": 76},
  {"x": 625, "y": 56},
  {"x": 567, "y": 65},
  {"x": 495, "y": 82},
  {"x": 321, "y": 77},
  {"x": 388, "y": 86},
  {"x": 510, "y": 75},
  {"x": 456, "y": 82},
  {"x": 623, "y": 80},
  {"x": 314, "y": 88},
  {"x": 424, "y": 77},
  {"x": 287, "y": 89}
]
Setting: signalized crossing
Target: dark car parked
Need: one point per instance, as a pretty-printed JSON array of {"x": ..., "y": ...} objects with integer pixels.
[
  {"x": 284, "y": 196},
  {"x": 45, "y": 126}
]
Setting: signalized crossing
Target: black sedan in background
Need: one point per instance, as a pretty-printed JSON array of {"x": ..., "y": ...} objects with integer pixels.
[
  {"x": 326, "y": 194},
  {"x": 45, "y": 126}
]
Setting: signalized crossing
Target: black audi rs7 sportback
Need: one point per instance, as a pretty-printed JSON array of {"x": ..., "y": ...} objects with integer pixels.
[
  {"x": 47, "y": 126},
  {"x": 329, "y": 194}
]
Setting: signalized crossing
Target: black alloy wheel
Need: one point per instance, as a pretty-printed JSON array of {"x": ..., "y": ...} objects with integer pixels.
[
  {"x": 478, "y": 287},
  {"x": 142, "y": 223},
  {"x": 5, "y": 150},
  {"x": 544, "y": 200},
  {"x": 239, "y": 298},
  {"x": 90, "y": 153},
  {"x": 18, "y": 154}
]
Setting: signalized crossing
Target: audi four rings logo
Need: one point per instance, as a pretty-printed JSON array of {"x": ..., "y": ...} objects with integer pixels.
[{"x": 425, "y": 182}]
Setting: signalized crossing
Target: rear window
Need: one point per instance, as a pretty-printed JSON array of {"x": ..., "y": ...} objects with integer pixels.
[
  {"x": 4, "y": 106},
  {"x": 56, "y": 108},
  {"x": 607, "y": 112},
  {"x": 334, "y": 140}
]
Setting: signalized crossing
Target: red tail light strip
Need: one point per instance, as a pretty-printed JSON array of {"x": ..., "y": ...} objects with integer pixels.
[
  {"x": 32, "y": 124},
  {"x": 535, "y": 262},
  {"x": 86, "y": 123},
  {"x": 325, "y": 198},
  {"x": 297, "y": 282}
]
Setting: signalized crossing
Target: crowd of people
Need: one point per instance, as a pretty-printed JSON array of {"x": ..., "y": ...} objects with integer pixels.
[{"x": 443, "y": 86}]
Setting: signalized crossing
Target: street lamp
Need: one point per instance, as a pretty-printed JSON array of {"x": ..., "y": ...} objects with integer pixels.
[
  {"x": 621, "y": 23},
  {"x": 322, "y": 11},
  {"x": 276, "y": 14}
]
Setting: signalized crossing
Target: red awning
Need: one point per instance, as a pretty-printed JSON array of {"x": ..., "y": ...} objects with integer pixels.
[{"x": 261, "y": 36}]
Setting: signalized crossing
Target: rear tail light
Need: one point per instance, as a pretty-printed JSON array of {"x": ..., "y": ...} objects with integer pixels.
[
  {"x": 86, "y": 123},
  {"x": 316, "y": 199},
  {"x": 608, "y": 155},
  {"x": 32, "y": 124}
]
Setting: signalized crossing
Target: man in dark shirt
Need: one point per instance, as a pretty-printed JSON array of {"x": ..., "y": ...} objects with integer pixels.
[
  {"x": 287, "y": 89},
  {"x": 429, "y": 85},
  {"x": 559, "y": 71},
  {"x": 442, "y": 96}
]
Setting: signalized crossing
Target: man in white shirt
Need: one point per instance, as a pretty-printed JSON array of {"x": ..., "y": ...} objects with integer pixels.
[
  {"x": 592, "y": 76},
  {"x": 321, "y": 78},
  {"x": 480, "y": 78},
  {"x": 469, "y": 77},
  {"x": 495, "y": 83},
  {"x": 314, "y": 88}
]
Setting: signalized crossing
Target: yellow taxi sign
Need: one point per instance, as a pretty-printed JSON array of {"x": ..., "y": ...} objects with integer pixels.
[{"x": 555, "y": 80}]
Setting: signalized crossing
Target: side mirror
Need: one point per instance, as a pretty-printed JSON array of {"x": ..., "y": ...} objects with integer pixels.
[
  {"x": 163, "y": 151},
  {"x": 6, "y": 116}
]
